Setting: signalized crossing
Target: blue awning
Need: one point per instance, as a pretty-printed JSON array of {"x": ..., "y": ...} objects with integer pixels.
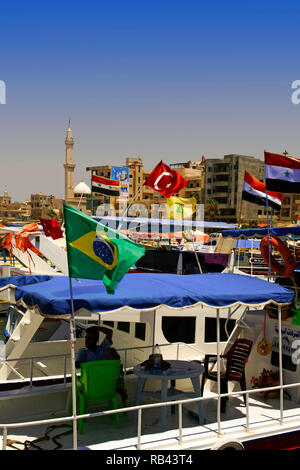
[
  {"x": 144, "y": 291},
  {"x": 262, "y": 232},
  {"x": 15, "y": 281}
]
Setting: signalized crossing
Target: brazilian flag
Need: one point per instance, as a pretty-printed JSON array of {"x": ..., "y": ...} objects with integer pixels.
[{"x": 96, "y": 251}]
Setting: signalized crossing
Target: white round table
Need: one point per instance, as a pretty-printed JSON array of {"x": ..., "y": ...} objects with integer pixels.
[{"x": 177, "y": 370}]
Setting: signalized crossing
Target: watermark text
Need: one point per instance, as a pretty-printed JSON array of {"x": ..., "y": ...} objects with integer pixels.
[{"x": 2, "y": 92}]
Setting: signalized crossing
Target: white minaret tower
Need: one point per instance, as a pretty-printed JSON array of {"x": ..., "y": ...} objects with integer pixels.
[{"x": 69, "y": 165}]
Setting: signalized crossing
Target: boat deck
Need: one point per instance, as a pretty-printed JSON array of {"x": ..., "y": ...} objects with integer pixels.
[{"x": 101, "y": 432}]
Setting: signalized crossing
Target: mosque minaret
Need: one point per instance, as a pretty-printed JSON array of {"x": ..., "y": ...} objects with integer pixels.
[{"x": 69, "y": 166}]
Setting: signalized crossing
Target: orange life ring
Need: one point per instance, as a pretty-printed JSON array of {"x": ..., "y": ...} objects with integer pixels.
[{"x": 289, "y": 262}]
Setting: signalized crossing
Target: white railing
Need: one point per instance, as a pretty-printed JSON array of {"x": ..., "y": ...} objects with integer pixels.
[
  {"x": 140, "y": 408},
  {"x": 33, "y": 359},
  {"x": 190, "y": 346}
]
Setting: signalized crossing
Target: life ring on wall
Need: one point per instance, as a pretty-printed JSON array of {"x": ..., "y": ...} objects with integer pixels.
[{"x": 289, "y": 262}]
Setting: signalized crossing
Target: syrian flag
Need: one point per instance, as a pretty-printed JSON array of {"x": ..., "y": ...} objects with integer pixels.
[
  {"x": 282, "y": 173},
  {"x": 165, "y": 180},
  {"x": 255, "y": 191},
  {"x": 105, "y": 186}
]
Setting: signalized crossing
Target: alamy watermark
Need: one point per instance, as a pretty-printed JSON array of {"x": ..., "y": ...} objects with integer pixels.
[
  {"x": 296, "y": 94},
  {"x": 2, "y": 92},
  {"x": 158, "y": 221}
]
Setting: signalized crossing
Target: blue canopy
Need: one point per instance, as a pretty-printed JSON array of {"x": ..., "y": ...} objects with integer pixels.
[
  {"x": 22, "y": 280},
  {"x": 144, "y": 291},
  {"x": 262, "y": 232}
]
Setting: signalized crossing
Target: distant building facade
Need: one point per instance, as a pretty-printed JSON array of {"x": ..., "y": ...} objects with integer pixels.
[
  {"x": 224, "y": 179},
  {"x": 194, "y": 172},
  {"x": 11, "y": 211},
  {"x": 45, "y": 206}
]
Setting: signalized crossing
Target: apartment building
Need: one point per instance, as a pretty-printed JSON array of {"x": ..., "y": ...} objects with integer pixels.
[{"x": 224, "y": 179}]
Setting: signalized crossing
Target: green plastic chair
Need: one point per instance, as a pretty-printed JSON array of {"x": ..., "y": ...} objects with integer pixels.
[{"x": 98, "y": 383}]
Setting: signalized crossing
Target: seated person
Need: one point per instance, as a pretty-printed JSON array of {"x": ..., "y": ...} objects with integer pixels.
[{"x": 92, "y": 351}]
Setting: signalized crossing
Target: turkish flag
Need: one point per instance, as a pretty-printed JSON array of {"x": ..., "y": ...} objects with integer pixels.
[
  {"x": 51, "y": 228},
  {"x": 165, "y": 180}
]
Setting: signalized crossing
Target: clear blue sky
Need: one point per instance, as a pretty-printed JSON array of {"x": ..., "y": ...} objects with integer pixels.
[{"x": 171, "y": 80}]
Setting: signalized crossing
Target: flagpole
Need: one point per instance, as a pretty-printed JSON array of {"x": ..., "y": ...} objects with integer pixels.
[
  {"x": 196, "y": 254},
  {"x": 73, "y": 369},
  {"x": 128, "y": 207},
  {"x": 72, "y": 342},
  {"x": 240, "y": 214},
  {"x": 268, "y": 229},
  {"x": 92, "y": 197}
]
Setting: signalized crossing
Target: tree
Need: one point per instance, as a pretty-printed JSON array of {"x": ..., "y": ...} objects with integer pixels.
[
  {"x": 212, "y": 210},
  {"x": 52, "y": 214},
  {"x": 251, "y": 224},
  {"x": 198, "y": 198}
]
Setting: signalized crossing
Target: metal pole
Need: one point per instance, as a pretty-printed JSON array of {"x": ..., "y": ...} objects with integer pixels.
[
  {"x": 280, "y": 364},
  {"x": 92, "y": 197},
  {"x": 4, "y": 438},
  {"x": 139, "y": 430},
  {"x": 251, "y": 256},
  {"x": 196, "y": 254},
  {"x": 153, "y": 331},
  {"x": 127, "y": 208},
  {"x": 73, "y": 369},
  {"x": 268, "y": 228},
  {"x": 79, "y": 201},
  {"x": 180, "y": 422},
  {"x": 218, "y": 373}
]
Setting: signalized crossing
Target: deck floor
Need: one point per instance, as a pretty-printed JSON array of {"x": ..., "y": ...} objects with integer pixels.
[{"x": 101, "y": 433}]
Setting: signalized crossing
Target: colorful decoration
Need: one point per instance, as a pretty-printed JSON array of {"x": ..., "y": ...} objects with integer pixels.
[
  {"x": 268, "y": 378},
  {"x": 264, "y": 347}
]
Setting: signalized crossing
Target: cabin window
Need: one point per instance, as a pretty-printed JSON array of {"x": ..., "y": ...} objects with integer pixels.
[
  {"x": 124, "y": 326},
  {"x": 179, "y": 329},
  {"x": 109, "y": 323},
  {"x": 140, "y": 331},
  {"x": 211, "y": 329}
]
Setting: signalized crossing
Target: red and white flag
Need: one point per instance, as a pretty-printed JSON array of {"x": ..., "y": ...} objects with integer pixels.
[
  {"x": 165, "y": 180},
  {"x": 105, "y": 186},
  {"x": 255, "y": 191},
  {"x": 282, "y": 173}
]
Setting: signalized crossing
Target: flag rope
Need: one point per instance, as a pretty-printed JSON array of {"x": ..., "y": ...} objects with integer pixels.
[{"x": 128, "y": 207}]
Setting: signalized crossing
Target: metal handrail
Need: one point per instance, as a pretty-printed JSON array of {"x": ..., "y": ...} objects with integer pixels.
[
  {"x": 139, "y": 409},
  {"x": 32, "y": 359}
]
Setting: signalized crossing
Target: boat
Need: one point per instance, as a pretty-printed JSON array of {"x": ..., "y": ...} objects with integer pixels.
[
  {"x": 248, "y": 255},
  {"x": 34, "y": 254},
  {"x": 148, "y": 298}
]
